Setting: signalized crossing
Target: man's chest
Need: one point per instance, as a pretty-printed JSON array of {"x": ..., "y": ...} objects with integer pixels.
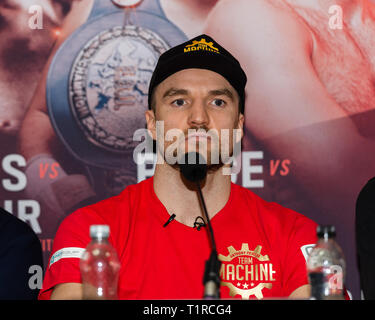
[
  {"x": 172, "y": 267},
  {"x": 248, "y": 272}
]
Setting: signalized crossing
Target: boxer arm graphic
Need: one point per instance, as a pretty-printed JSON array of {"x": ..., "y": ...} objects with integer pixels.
[
  {"x": 288, "y": 109},
  {"x": 38, "y": 142}
]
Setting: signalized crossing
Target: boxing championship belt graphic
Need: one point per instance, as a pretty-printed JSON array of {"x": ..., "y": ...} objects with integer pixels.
[{"x": 97, "y": 86}]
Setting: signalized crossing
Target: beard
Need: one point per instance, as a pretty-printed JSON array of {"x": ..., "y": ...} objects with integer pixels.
[{"x": 216, "y": 149}]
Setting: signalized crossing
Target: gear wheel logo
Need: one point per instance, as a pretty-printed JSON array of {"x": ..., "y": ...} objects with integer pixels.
[{"x": 246, "y": 272}]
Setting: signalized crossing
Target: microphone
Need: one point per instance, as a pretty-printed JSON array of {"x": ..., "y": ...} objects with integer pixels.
[
  {"x": 171, "y": 218},
  {"x": 194, "y": 169}
]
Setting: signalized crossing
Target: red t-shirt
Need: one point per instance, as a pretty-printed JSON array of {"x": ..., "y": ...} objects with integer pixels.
[{"x": 262, "y": 247}]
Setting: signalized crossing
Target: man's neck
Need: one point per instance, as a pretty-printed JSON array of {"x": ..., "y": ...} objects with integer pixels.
[{"x": 182, "y": 199}]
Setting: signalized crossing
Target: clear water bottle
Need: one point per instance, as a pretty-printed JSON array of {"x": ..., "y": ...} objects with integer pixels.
[
  {"x": 326, "y": 266},
  {"x": 99, "y": 266}
]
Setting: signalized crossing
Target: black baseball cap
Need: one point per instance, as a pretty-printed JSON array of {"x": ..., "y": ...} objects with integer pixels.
[{"x": 201, "y": 52}]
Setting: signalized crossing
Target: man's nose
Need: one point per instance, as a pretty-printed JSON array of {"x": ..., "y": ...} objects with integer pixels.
[{"x": 198, "y": 115}]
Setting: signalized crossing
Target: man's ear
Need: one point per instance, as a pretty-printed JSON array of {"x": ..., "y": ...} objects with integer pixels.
[
  {"x": 241, "y": 120},
  {"x": 151, "y": 122}
]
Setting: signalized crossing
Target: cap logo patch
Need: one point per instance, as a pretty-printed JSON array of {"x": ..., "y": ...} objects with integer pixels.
[{"x": 201, "y": 45}]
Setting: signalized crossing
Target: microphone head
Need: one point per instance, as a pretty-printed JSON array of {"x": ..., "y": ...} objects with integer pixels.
[{"x": 193, "y": 166}]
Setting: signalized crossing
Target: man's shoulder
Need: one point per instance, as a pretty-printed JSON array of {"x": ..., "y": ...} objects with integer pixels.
[
  {"x": 271, "y": 211},
  {"x": 19, "y": 236},
  {"x": 11, "y": 225},
  {"x": 130, "y": 194},
  {"x": 365, "y": 203},
  {"x": 369, "y": 186},
  {"x": 116, "y": 212},
  {"x": 110, "y": 208}
]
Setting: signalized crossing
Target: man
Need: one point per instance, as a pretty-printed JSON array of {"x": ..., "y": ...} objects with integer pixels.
[
  {"x": 24, "y": 51},
  {"x": 311, "y": 100},
  {"x": 21, "y": 260},
  {"x": 365, "y": 227},
  {"x": 262, "y": 246},
  {"x": 38, "y": 142}
]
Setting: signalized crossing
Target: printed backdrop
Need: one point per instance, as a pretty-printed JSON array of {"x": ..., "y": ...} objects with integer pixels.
[{"x": 73, "y": 84}]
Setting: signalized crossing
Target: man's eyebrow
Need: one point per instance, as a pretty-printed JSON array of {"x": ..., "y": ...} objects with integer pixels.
[
  {"x": 222, "y": 92},
  {"x": 217, "y": 92},
  {"x": 174, "y": 92}
]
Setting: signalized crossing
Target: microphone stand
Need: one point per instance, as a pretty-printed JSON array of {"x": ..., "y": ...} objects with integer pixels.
[{"x": 211, "y": 278}]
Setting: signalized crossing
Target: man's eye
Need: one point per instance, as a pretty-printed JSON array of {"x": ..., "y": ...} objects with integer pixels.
[
  {"x": 179, "y": 102},
  {"x": 218, "y": 102}
]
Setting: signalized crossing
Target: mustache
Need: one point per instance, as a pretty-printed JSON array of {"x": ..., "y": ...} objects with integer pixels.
[
  {"x": 212, "y": 135},
  {"x": 197, "y": 128}
]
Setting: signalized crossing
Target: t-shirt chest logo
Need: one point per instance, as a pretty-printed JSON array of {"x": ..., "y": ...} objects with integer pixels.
[{"x": 246, "y": 272}]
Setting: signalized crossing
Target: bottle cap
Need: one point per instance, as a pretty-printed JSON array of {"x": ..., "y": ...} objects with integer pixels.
[
  {"x": 99, "y": 231},
  {"x": 328, "y": 231}
]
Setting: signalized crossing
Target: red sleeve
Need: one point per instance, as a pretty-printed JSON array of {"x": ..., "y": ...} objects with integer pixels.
[
  {"x": 300, "y": 242},
  {"x": 71, "y": 239}
]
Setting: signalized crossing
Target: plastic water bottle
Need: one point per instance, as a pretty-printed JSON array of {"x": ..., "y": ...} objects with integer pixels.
[
  {"x": 99, "y": 266},
  {"x": 326, "y": 266}
]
